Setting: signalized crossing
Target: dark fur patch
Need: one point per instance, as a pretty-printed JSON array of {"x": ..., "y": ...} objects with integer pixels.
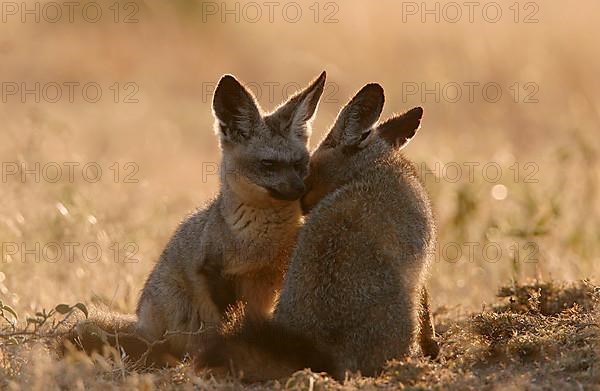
[
  {"x": 268, "y": 339},
  {"x": 221, "y": 289}
]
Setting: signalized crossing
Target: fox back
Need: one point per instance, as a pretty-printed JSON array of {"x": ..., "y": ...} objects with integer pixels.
[{"x": 355, "y": 279}]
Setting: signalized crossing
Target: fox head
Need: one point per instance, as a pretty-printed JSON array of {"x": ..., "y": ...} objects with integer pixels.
[
  {"x": 354, "y": 143},
  {"x": 264, "y": 155}
]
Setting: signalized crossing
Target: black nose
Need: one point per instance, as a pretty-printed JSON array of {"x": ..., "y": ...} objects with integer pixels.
[
  {"x": 288, "y": 192},
  {"x": 306, "y": 207},
  {"x": 299, "y": 188}
]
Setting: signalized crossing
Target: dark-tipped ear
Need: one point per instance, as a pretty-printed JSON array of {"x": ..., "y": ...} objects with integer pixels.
[
  {"x": 301, "y": 107},
  {"x": 355, "y": 121},
  {"x": 235, "y": 109},
  {"x": 398, "y": 131}
]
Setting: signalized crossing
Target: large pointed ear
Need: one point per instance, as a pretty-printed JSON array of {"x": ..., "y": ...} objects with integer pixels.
[
  {"x": 294, "y": 114},
  {"x": 398, "y": 130},
  {"x": 355, "y": 121},
  {"x": 235, "y": 109}
]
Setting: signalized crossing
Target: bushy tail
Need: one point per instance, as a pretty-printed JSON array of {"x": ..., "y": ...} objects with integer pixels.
[
  {"x": 103, "y": 331},
  {"x": 259, "y": 350}
]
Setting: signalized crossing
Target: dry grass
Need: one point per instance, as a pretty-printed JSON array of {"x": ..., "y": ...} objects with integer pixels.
[
  {"x": 524, "y": 346},
  {"x": 544, "y": 217}
]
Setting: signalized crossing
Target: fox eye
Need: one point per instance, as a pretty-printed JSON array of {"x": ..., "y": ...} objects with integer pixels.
[{"x": 267, "y": 163}]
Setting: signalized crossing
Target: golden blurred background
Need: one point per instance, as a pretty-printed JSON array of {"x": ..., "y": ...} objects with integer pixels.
[{"x": 508, "y": 146}]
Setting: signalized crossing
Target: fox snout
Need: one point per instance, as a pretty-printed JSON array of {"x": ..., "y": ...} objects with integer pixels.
[
  {"x": 288, "y": 191},
  {"x": 308, "y": 198},
  {"x": 308, "y": 201},
  {"x": 316, "y": 189}
]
